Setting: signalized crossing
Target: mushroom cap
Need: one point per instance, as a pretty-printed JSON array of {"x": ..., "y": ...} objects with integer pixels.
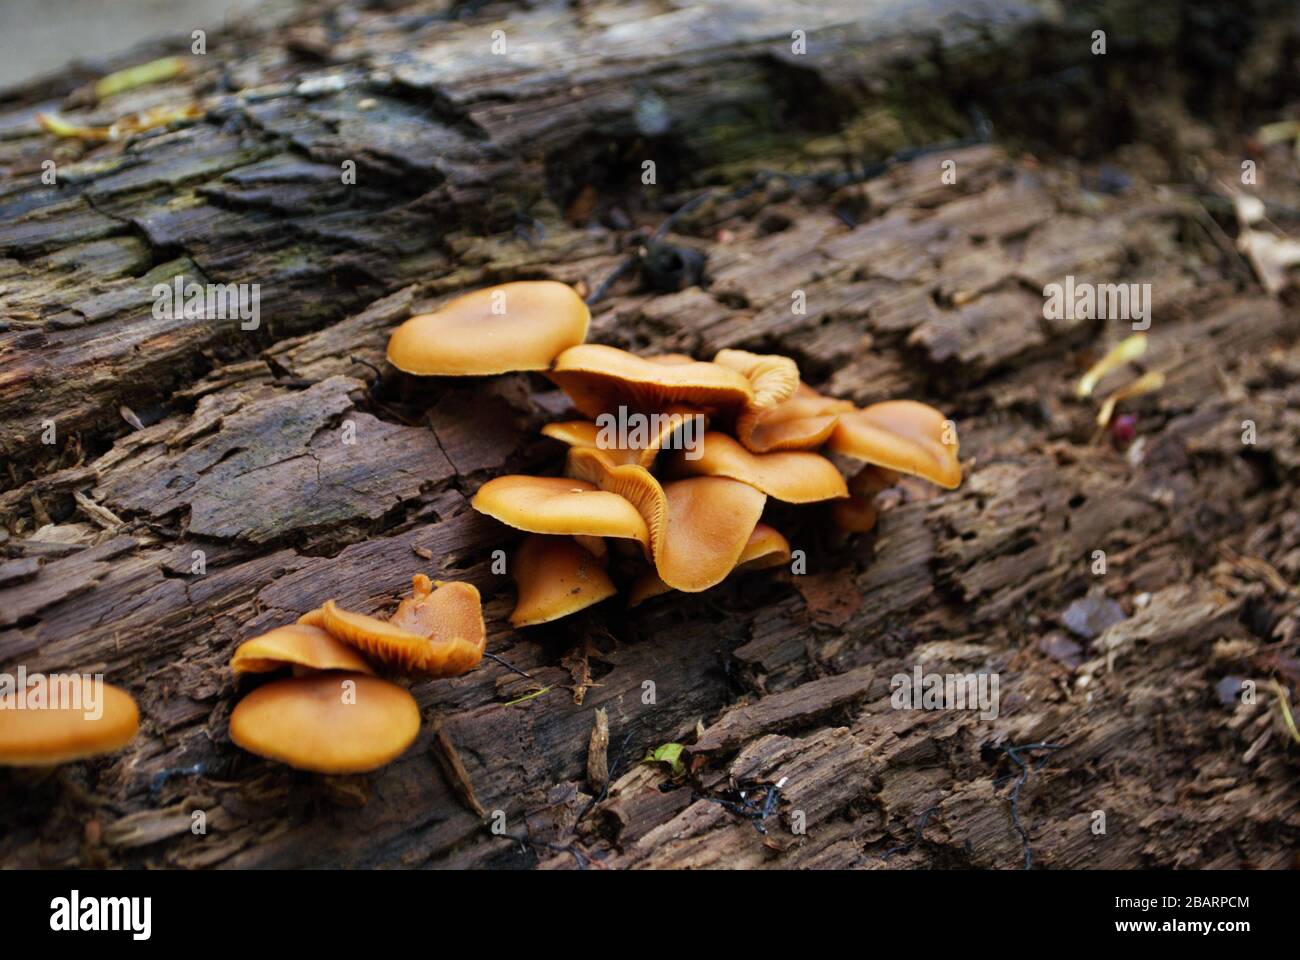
[
  {"x": 661, "y": 429},
  {"x": 774, "y": 378},
  {"x": 600, "y": 379},
  {"x": 698, "y": 526},
  {"x": 297, "y": 645},
  {"x": 309, "y": 723},
  {"x": 541, "y": 319},
  {"x": 555, "y": 577},
  {"x": 560, "y": 505},
  {"x": 61, "y": 732},
  {"x": 709, "y": 522},
  {"x": 794, "y": 476},
  {"x": 803, "y": 421},
  {"x": 855, "y": 515},
  {"x": 901, "y": 435},
  {"x": 437, "y": 633},
  {"x": 766, "y": 547}
]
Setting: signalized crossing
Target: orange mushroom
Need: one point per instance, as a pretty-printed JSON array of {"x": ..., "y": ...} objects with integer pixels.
[
  {"x": 774, "y": 378},
  {"x": 555, "y": 577},
  {"x": 600, "y": 379},
  {"x": 901, "y": 435},
  {"x": 437, "y": 633},
  {"x": 858, "y": 513},
  {"x": 698, "y": 526},
  {"x": 560, "y": 505},
  {"x": 78, "y": 717},
  {"x": 514, "y": 326},
  {"x": 804, "y": 421},
  {"x": 297, "y": 645},
  {"x": 766, "y": 547},
  {"x": 794, "y": 476},
  {"x": 327, "y": 722},
  {"x": 659, "y": 431}
]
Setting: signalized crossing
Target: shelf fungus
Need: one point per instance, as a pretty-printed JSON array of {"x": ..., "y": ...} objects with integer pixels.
[
  {"x": 436, "y": 632},
  {"x": 300, "y": 646},
  {"x": 77, "y": 717},
  {"x": 600, "y": 379},
  {"x": 327, "y": 722},
  {"x": 515, "y": 326},
  {"x": 560, "y": 505},
  {"x": 555, "y": 577},
  {"x": 903, "y": 436},
  {"x": 765, "y": 548},
  {"x": 794, "y": 476}
]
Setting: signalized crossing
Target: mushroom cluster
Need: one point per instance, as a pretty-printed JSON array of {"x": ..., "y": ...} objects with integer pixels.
[
  {"x": 334, "y": 714},
  {"x": 685, "y": 490}
]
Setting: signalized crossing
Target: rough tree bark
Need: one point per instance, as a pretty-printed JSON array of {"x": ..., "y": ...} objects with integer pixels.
[{"x": 177, "y": 436}]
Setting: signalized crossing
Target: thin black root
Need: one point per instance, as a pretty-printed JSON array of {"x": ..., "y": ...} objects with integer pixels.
[
  {"x": 1014, "y": 754},
  {"x": 747, "y": 809}
]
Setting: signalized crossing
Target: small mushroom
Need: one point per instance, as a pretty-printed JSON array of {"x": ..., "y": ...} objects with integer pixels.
[
  {"x": 297, "y": 645},
  {"x": 793, "y": 476},
  {"x": 858, "y": 514},
  {"x": 698, "y": 526},
  {"x": 76, "y": 723},
  {"x": 555, "y": 577},
  {"x": 600, "y": 379},
  {"x": 766, "y": 547},
  {"x": 900, "y": 435},
  {"x": 804, "y": 421},
  {"x": 435, "y": 632},
  {"x": 327, "y": 722},
  {"x": 514, "y": 326},
  {"x": 660, "y": 434},
  {"x": 774, "y": 378},
  {"x": 560, "y": 505}
]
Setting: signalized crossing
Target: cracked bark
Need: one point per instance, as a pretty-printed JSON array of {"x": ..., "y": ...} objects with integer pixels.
[{"x": 914, "y": 288}]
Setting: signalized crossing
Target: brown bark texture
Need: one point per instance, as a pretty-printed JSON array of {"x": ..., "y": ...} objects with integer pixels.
[{"x": 1119, "y": 687}]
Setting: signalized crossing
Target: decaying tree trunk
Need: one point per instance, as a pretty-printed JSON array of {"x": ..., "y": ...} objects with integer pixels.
[{"x": 198, "y": 490}]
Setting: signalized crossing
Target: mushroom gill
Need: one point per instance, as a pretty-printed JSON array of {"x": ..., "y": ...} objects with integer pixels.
[
  {"x": 435, "y": 632},
  {"x": 601, "y": 379}
]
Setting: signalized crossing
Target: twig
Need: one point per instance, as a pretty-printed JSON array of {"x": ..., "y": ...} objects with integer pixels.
[{"x": 495, "y": 659}]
